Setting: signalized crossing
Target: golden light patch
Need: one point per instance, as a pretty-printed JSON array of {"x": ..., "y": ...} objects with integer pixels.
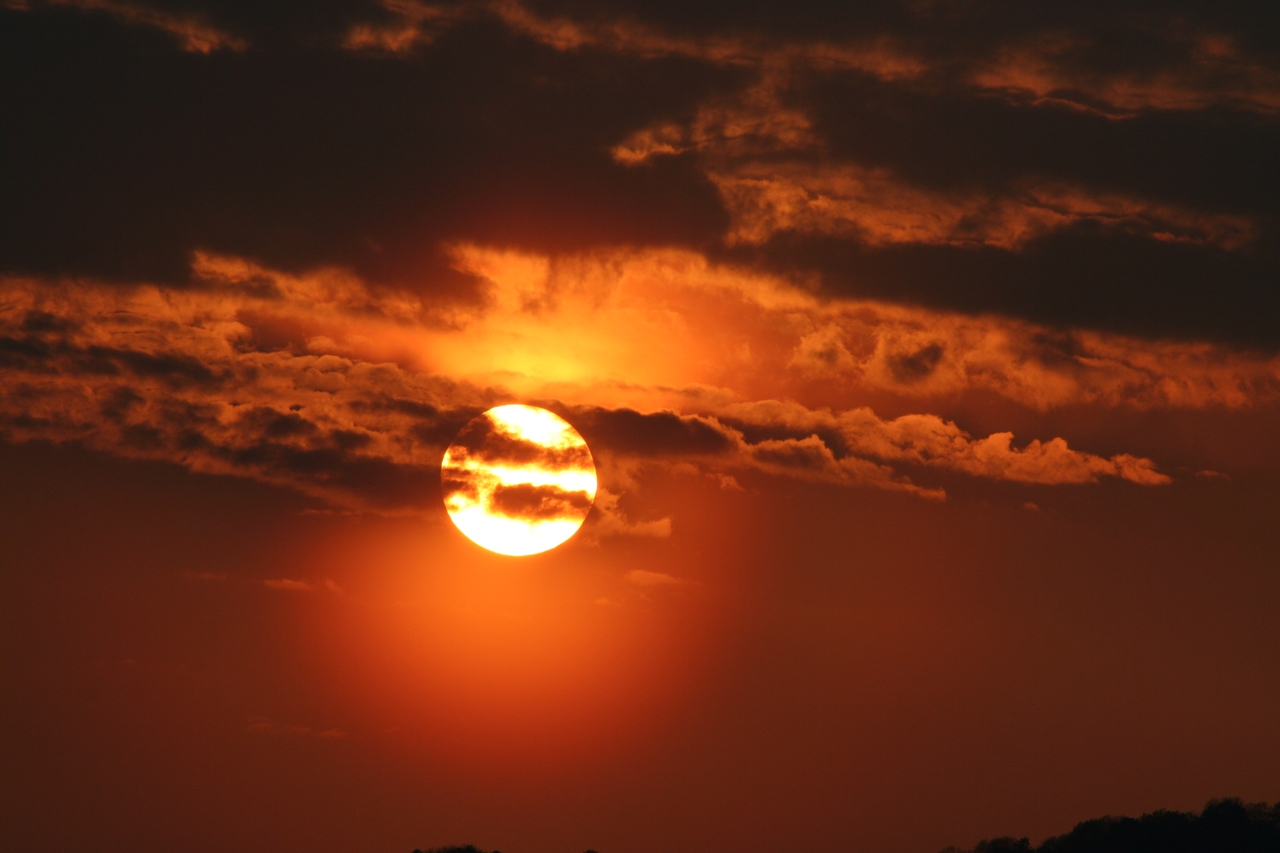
[{"x": 518, "y": 480}]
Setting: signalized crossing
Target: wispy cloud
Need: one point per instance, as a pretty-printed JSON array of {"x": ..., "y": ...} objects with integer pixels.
[
  {"x": 875, "y": 208},
  {"x": 647, "y": 579},
  {"x": 288, "y": 585},
  {"x": 192, "y": 33},
  {"x": 1206, "y": 70}
]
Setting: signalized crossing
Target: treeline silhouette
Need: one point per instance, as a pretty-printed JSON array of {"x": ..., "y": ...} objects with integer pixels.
[
  {"x": 470, "y": 848},
  {"x": 1225, "y": 826}
]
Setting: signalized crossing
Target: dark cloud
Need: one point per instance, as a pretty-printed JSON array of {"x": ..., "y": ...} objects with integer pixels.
[
  {"x": 125, "y": 155},
  {"x": 656, "y": 434},
  {"x": 459, "y": 485},
  {"x": 915, "y": 366},
  {"x": 432, "y": 426},
  {"x": 528, "y": 502},
  {"x": 127, "y": 152},
  {"x": 953, "y": 137},
  {"x": 942, "y": 27},
  {"x": 1078, "y": 277},
  {"x": 485, "y": 440},
  {"x": 37, "y": 352}
]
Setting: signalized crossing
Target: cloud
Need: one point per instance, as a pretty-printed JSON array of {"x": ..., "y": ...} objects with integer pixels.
[
  {"x": 1207, "y": 69},
  {"x": 755, "y": 334},
  {"x": 762, "y": 150},
  {"x": 611, "y": 520},
  {"x": 223, "y": 377},
  {"x": 874, "y": 207},
  {"x": 288, "y": 585},
  {"x": 191, "y": 32},
  {"x": 862, "y": 153},
  {"x": 413, "y": 24},
  {"x": 929, "y": 440},
  {"x": 538, "y": 503},
  {"x": 648, "y": 580}
]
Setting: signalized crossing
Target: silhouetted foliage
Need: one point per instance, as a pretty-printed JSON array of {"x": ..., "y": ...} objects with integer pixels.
[
  {"x": 470, "y": 848},
  {"x": 1225, "y": 826}
]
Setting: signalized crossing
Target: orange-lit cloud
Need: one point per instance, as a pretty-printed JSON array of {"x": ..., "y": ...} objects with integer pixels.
[
  {"x": 758, "y": 144},
  {"x": 930, "y": 440},
  {"x": 288, "y": 585},
  {"x": 413, "y": 23},
  {"x": 351, "y": 393},
  {"x": 1205, "y": 69},
  {"x": 759, "y": 148},
  {"x": 880, "y": 56},
  {"x": 193, "y": 33},
  {"x": 1212, "y": 71},
  {"x": 875, "y": 208}
]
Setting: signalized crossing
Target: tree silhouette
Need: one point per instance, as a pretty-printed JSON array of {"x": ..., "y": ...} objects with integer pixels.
[
  {"x": 1225, "y": 826},
  {"x": 470, "y": 848}
]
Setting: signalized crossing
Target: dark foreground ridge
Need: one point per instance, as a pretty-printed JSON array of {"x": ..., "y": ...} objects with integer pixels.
[
  {"x": 470, "y": 848},
  {"x": 1225, "y": 826}
]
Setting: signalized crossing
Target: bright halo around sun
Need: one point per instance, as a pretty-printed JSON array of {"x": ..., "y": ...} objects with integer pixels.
[{"x": 518, "y": 480}]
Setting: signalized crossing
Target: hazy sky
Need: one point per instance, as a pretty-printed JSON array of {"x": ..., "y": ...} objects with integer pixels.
[{"x": 927, "y": 352}]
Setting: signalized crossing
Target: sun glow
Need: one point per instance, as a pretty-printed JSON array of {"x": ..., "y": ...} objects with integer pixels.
[{"x": 518, "y": 480}]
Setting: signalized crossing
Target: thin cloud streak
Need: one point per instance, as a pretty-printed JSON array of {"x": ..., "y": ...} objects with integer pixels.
[
  {"x": 1211, "y": 71},
  {"x": 192, "y": 33},
  {"x": 875, "y": 208}
]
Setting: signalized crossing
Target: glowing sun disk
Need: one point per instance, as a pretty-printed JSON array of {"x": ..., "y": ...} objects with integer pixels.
[{"x": 518, "y": 480}]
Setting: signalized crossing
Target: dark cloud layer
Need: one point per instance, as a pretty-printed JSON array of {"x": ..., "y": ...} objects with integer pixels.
[
  {"x": 538, "y": 503},
  {"x": 660, "y": 435},
  {"x": 126, "y": 152},
  {"x": 485, "y": 440}
]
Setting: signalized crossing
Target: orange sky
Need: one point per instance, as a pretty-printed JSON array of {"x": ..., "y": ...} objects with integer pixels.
[{"x": 927, "y": 357}]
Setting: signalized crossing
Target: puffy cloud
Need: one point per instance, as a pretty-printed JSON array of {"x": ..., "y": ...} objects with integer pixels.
[
  {"x": 611, "y": 520},
  {"x": 929, "y": 440},
  {"x": 660, "y": 358}
]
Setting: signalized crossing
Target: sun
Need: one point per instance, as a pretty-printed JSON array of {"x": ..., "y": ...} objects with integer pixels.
[{"x": 518, "y": 480}]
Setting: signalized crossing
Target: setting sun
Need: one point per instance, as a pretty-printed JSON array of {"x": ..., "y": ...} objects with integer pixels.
[{"x": 518, "y": 480}]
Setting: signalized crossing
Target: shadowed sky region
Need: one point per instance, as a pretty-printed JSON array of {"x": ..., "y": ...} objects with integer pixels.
[{"x": 926, "y": 355}]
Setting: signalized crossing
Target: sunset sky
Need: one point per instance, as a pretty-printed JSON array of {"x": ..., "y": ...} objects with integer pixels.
[{"x": 927, "y": 351}]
